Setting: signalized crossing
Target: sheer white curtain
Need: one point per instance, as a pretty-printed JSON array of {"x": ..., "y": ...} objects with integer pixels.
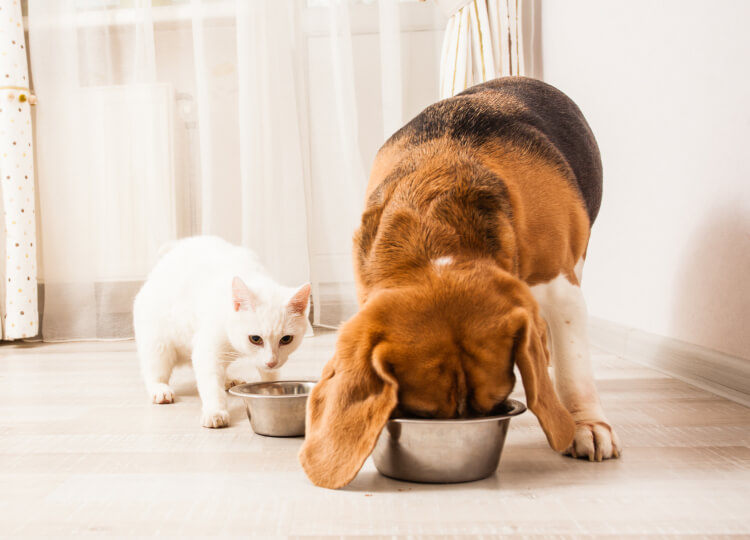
[{"x": 228, "y": 117}]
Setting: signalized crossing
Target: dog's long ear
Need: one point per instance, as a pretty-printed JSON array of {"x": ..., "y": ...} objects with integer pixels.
[
  {"x": 348, "y": 408},
  {"x": 532, "y": 358}
]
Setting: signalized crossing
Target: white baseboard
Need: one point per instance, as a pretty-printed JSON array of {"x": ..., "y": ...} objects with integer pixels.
[{"x": 722, "y": 374}]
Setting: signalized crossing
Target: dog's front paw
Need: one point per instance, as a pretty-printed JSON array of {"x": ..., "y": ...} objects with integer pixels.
[
  {"x": 215, "y": 419},
  {"x": 161, "y": 394},
  {"x": 595, "y": 440}
]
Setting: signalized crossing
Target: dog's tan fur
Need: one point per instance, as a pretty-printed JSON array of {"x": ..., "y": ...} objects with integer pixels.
[{"x": 440, "y": 338}]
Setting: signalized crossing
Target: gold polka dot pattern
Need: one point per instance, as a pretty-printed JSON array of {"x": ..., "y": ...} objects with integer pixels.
[{"x": 19, "y": 307}]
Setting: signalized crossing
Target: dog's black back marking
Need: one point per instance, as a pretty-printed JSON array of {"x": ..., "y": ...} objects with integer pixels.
[{"x": 526, "y": 112}]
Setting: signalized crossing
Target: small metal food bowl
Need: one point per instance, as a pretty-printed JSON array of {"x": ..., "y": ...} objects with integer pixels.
[
  {"x": 444, "y": 451},
  {"x": 276, "y": 409}
]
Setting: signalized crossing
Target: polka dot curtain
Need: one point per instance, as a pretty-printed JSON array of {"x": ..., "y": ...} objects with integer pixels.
[{"x": 19, "y": 301}]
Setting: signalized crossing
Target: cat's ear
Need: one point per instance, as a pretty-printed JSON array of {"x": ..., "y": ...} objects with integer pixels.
[
  {"x": 298, "y": 303},
  {"x": 242, "y": 297}
]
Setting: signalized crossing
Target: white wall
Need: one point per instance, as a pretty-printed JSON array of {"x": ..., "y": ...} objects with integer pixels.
[{"x": 665, "y": 86}]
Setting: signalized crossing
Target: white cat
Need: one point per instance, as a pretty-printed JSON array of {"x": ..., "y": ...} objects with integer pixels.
[{"x": 212, "y": 302}]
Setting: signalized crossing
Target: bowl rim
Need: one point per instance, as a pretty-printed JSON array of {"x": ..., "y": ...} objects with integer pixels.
[
  {"x": 517, "y": 407},
  {"x": 238, "y": 389}
]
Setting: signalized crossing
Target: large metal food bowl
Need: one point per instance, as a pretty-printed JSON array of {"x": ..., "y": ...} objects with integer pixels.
[
  {"x": 444, "y": 451},
  {"x": 276, "y": 409}
]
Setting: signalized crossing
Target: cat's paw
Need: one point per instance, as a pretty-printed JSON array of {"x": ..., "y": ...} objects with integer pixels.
[
  {"x": 229, "y": 382},
  {"x": 595, "y": 441},
  {"x": 215, "y": 419},
  {"x": 161, "y": 394}
]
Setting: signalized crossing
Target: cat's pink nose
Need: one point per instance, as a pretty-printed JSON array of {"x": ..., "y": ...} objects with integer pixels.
[{"x": 272, "y": 363}]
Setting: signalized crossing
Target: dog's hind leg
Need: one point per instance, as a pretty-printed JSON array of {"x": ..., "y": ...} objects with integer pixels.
[{"x": 564, "y": 308}]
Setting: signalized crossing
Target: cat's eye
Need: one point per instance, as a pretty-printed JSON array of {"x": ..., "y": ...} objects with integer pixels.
[
  {"x": 256, "y": 340},
  {"x": 286, "y": 340}
]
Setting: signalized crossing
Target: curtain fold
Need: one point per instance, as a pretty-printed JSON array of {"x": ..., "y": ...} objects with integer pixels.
[
  {"x": 272, "y": 191},
  {"x": 345, "y": 179},
  {"x": 483, "y": 40},
  {"x": 390, "y": 66},
  {"x": 106, "y": 166},
  {"x": 18, "y": 271},
  {"x": 230, "y": 118}
]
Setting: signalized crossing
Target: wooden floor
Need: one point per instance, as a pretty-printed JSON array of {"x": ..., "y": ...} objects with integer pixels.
[{"x": 83, "y": 453}]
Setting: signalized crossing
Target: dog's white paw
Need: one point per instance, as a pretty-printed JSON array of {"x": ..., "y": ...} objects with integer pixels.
[
  {"x": 161, "y": 394},
  {"x": 215, "y": 419},
  {"x": 229, "y": 382},
  {"x": 595, "y": 440}
]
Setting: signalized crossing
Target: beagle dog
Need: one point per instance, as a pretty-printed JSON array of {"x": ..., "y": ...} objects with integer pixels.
[{"x": 471, "y": 247}]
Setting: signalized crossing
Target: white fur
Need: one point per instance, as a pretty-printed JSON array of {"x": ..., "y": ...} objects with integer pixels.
[
  {"x": 579, "y": 269},
  {"x": 188, "y": 310},
  {"x": 564, "y": 308},
  {"x": 441, "y": 262}
]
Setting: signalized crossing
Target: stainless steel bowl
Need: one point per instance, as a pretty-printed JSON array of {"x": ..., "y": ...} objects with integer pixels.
[
  {"x": 444, "y": 451},
  {"x": 275, "y": 408}
]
